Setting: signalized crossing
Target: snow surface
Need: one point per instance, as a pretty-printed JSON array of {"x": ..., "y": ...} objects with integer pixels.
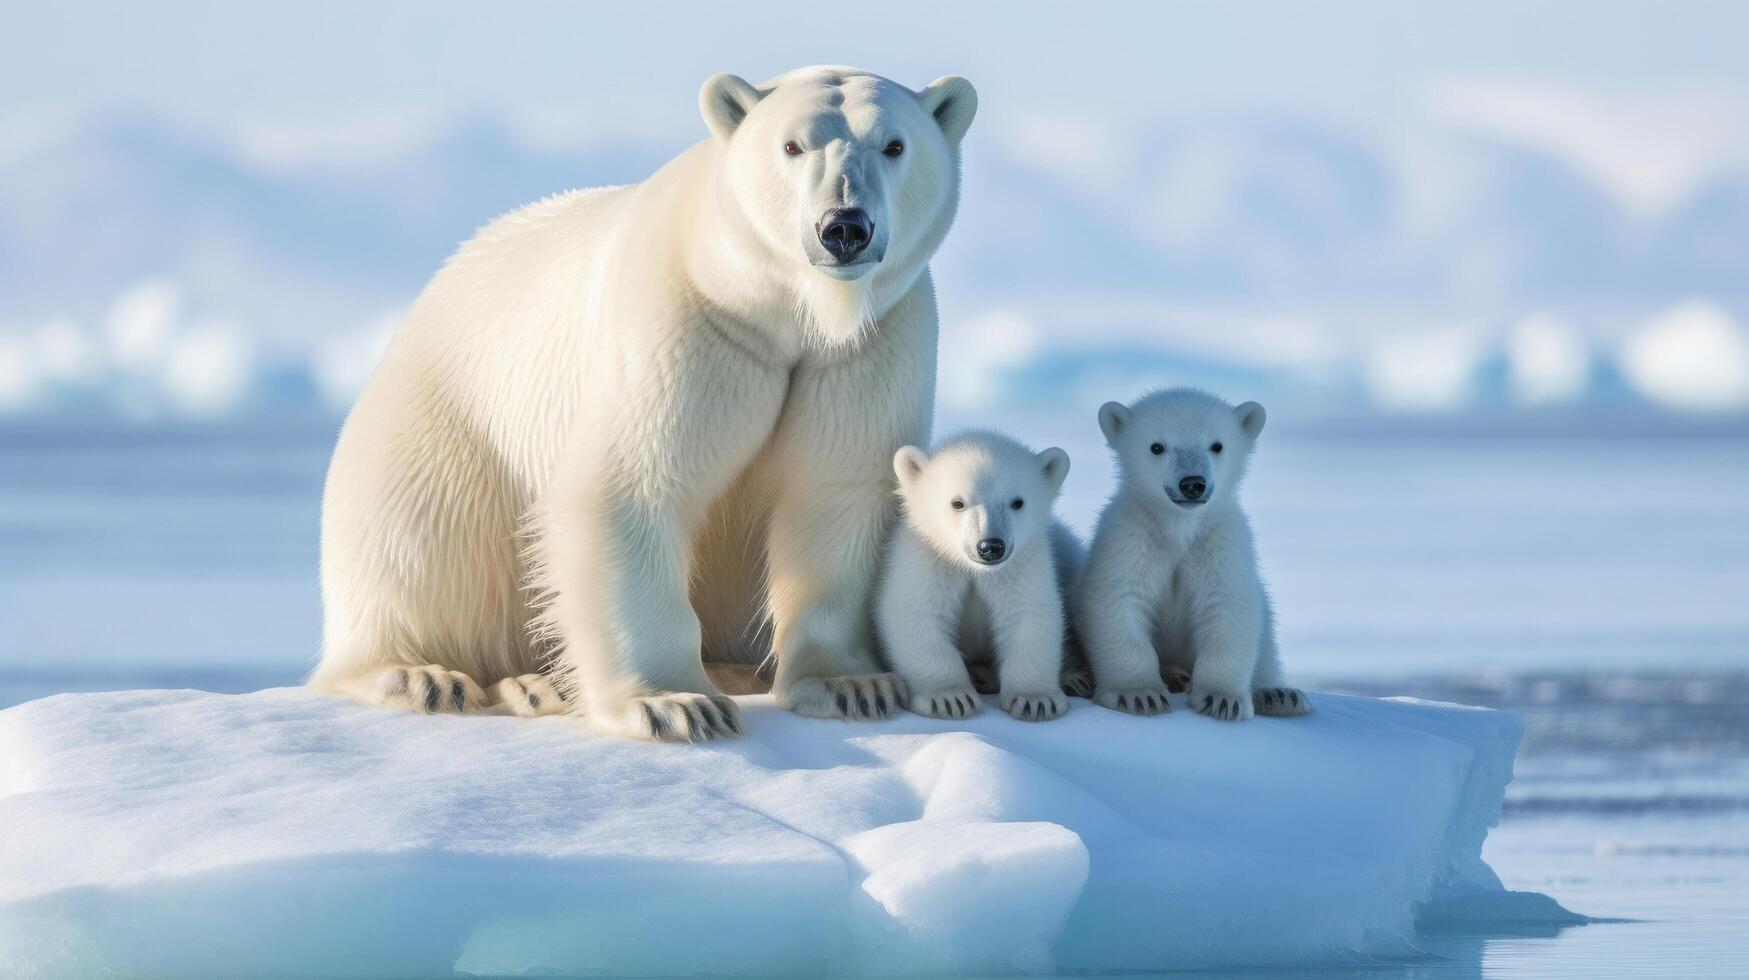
[{"x": 179, "y": 833}]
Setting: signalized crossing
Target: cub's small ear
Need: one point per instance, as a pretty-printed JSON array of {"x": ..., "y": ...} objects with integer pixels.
[
  {"x": 1251, "y": 417},
  {"x": 953, "y": 102},
  {"x": 724, "y": 101},
  {"x": 908, "y": 464},
  {"x": 1055, "y": 464},
  {"x": 1113, "y": 416}
]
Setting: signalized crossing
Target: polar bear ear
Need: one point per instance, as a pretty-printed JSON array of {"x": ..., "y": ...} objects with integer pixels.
[
  {"x": 1113, "y": 416},
  {"x": 1055, "y": 465},
  {"x": 953, "y": 102},
  {"x": 724, "y": 101},
  {"x": 908, "y": 464},
  {"x": 1251, "y": 417}
]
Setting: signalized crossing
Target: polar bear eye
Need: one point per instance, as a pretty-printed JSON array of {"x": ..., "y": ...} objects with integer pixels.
[
  {"x": 894, "y": 148},
  {"x": 1216, "y": 448},
  {"x": 958, "y": 504},
  {"x": 1156, "y": 449},
  {"x": 1018, "y": 503},
  {"x": 792, "y": 148}
]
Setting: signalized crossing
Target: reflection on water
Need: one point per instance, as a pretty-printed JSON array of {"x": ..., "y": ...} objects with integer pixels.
[
  {"x": 1629, "y": 802},
  {"x": 1617, "y": 950}
]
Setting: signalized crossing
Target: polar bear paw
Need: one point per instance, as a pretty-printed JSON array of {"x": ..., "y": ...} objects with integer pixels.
[
  {"x": 984, "y": 678},
  {"x": 1281, "y": 702},
  {"x": 1077, "y": 682},
  {"x": 530, "y": 695},
  {"x": 1177, "y": 680},
  {"x": 1220, "y": 704},
  {"x": 1135, "y": 700},
  {"x": 429, "y": 689},
  {"x": 1035, "y": 705},
  {"x": 860, "y": 697},
  {"x": 951, "y": 703},
  {"x": 670, "y": 716}
]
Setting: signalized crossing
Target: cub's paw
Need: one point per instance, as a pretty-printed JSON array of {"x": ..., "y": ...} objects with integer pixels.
[
  {"x": 1281, "y": 702},
  {"x": 429, "y": 689},
  {"x": 1220, "y": 704},
  {"x": 951, "y": 703},
  {"x": 861, "y": 697},
  {"x": 984, "y": 679},
  {"x": 1177, "y": 681},
  {"x": 677, "y": 716},
  {"x": 1135, "y": 700},
  {"x": 1077, "y": 682},
  {"x": 1035, "y": 705},
  {"x": 530, "y": 696}
]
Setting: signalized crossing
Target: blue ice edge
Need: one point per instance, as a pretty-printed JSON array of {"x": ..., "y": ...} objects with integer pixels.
[{"x": 180, "y": 833}]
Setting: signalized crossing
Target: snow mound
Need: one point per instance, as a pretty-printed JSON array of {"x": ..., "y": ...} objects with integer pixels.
[{"x": 178, "y": 833}]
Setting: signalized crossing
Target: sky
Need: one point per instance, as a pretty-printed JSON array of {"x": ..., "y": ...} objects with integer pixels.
[
  {"x": 213, "y": 63},
  {"x": 1350, "y": 206}
]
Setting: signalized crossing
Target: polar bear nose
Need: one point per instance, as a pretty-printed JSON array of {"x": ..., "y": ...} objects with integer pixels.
[
  {"x": 1192, "y": 487},
  {"x": 845, "y": 232},
  {"x": 992, "y": 550}
]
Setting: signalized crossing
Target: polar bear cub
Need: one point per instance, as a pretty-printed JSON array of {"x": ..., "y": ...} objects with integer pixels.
[
  {"x": 975, "y": 574},
  {"x": 1171, "y": 585}
]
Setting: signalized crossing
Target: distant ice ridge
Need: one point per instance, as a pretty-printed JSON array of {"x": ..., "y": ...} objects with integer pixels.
[{"x": 178, "y": 833}]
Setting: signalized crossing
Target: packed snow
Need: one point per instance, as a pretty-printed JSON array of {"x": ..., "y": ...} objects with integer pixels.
[{"x": 180, "y": 833}]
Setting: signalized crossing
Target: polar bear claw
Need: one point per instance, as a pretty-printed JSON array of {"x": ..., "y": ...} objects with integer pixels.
[
  {"x": 428, "y": 689},
  {"x": 1077, "y": 682},
  {"x": 860, "y": 697},
  {"x": 1135, "y": 701},
  {"x": 1281, "y": 702},
  {"x": 669, "y": 716},
  {"x": 529, "y": 696},
  {"x": 1223, "y": 705},
  {"x": 951, "y": 703},
  {"x": 1035, "y": 705}
]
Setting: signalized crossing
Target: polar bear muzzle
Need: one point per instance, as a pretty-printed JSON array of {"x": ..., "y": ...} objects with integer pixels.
[
  {"x": 991, "y": 551},
  {"x": 845, "y": 234}
]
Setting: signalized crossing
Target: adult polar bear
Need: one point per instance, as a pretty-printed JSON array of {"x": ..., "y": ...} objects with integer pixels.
[{"x": 622, "y": 393}]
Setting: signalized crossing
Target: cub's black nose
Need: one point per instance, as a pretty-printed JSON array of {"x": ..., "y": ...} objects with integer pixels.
[
  {"x": 845, "y": 232},
  {"x": 1192, "y": 487},
  {"x": 992, "y": 550}
]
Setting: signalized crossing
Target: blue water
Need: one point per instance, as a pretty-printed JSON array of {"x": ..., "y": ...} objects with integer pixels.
[{"x": 1530, "y": 574}]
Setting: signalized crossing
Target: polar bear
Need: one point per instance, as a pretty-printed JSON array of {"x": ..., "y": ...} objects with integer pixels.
[
  {"x": 1171, "y": 585},
  {"x": 975, "y": 574},
  {"x": 627, "y": 430}
]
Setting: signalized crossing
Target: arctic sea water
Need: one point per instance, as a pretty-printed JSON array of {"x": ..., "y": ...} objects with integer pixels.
[{"x": 1527, "y": 574}]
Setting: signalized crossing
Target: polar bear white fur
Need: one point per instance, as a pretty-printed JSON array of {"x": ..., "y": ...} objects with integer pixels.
[
  {"x": 976, "y": 574},
  {"x": 670, "y": 408},
  {"x": 1171, "y": 585}
]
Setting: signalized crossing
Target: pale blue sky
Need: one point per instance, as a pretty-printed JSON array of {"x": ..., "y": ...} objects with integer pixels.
[
  {"x": 1375, "y": 199},
  {"x": 214, "y": 63}
]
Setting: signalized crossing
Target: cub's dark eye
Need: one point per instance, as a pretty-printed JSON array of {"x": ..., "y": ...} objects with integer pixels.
[
  {"x": 1018, "y": 503},
  {"x": 894, "y": 148},
  {"x": 1156, "y": 449},
  {"x": 958, "y": 504},
  {"x": 792, "y": 148},
  {"x": 1217, "y": 447}
]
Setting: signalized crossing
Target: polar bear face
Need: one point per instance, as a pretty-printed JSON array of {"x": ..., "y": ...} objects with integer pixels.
[
  {"x": 981, "y": 499},
  {"x": 1184, "y": 449},
  {"x": 844, "y": 175}
]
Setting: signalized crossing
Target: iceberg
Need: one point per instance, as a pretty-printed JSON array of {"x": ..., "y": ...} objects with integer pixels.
[{"x": 286, "y": 832}]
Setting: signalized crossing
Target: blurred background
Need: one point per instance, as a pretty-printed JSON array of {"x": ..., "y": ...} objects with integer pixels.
[{"x": 1487, "y": 264}]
